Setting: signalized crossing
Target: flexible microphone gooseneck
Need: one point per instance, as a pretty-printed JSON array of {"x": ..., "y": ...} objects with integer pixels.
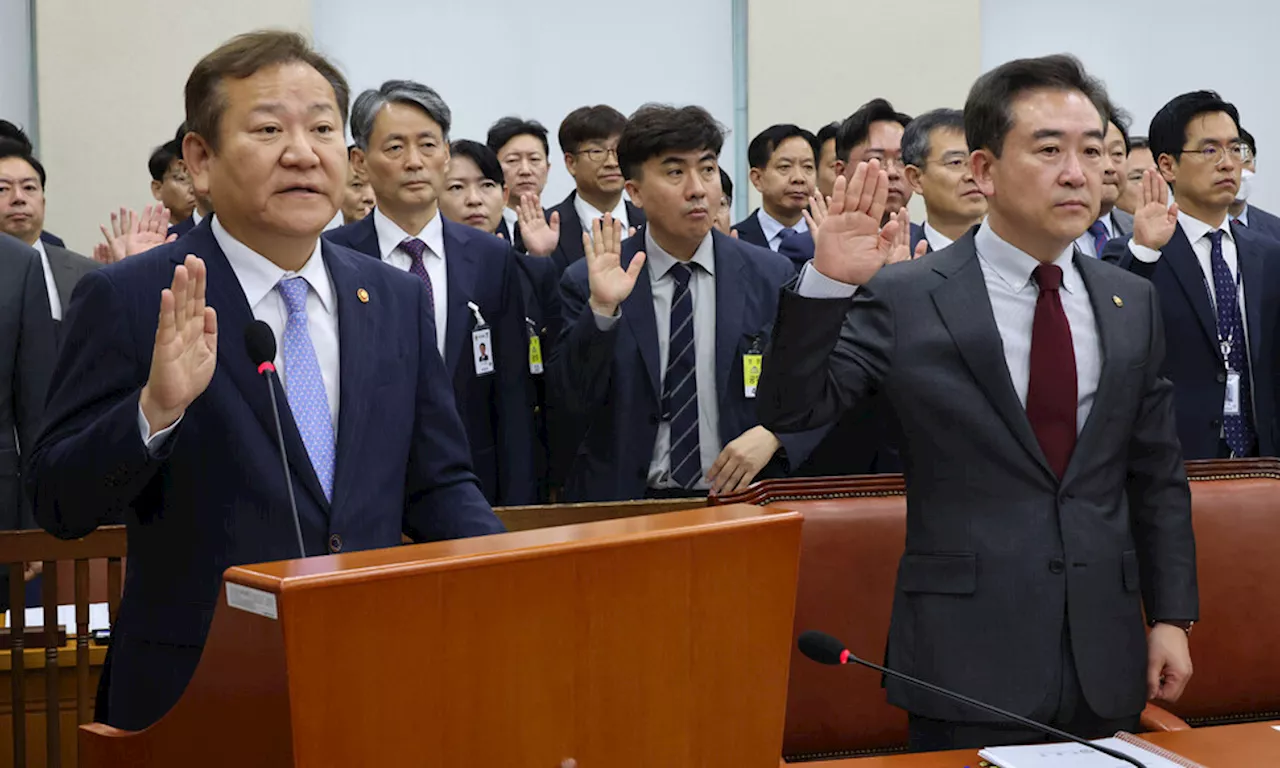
[{"x": 261, "y": 345}]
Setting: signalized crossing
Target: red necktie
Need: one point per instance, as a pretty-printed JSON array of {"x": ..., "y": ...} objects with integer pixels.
[{"x": 1051, "y": 390}]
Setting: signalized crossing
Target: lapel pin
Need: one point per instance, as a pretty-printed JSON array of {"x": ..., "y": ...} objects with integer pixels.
[
  {"x": 1119, "y": 302},
  {"x": 363, "y": 295}
]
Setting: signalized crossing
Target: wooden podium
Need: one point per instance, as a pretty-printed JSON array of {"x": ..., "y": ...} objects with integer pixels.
[{"x": 651, "y": 641}]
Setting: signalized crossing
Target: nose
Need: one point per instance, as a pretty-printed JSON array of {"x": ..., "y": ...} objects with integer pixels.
[
  {"x": 413, "y": 159},
  {"x": 299, "y": 152},
  {"x": 1073, "y": 170},
  {"x": 696, "y": 189}
]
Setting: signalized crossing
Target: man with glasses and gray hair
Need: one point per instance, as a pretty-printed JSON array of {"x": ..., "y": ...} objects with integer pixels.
[
  {"x": 1204, "y": 267},
  {"x": 936, "y": 156},
  {"x": 401, "y": 133}
]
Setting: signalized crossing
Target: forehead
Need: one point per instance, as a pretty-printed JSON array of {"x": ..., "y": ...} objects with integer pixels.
[
  {"x": 1142, "y": 156},
  {"x": 17, "y": 169},
  {"x": 681, "y": 156},
  {"x": 1043, "y": 109},
  {"x": 291, "y": 84},
  {"x": 524, "y": 143},
  {"x": 463, "y": 168},
  {"x": 400, "y": 119},
  {"x": 613, "y": 139},
  {"x": 1114, "y": 133},
  {"x": 885, "y": 134},
  {"x": 792, "y": 148},
  {"x": 946, "y": 139},
  {"x": 1213, "y": 125}
]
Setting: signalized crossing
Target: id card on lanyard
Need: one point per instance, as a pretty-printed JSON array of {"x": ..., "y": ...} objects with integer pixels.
[
  {"x": 535, "y": 347},
  {"x": 481, "y": 343},
  {"x": 752, "y": 365}
]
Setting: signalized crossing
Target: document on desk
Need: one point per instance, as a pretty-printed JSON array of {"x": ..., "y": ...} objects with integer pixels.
[{"x": 1079, "y": 756}]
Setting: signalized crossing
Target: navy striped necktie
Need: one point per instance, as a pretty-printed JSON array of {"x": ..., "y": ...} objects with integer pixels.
[{"x": 680, "y": 385}]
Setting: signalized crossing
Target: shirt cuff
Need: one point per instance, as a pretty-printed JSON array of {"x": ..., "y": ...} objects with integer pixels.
[
  {"x": 154, "y": 442},
  {"x": 815, "y": 285},
  {"x": 1143, "y": 253},
  {"x": 606, "y": 323}
]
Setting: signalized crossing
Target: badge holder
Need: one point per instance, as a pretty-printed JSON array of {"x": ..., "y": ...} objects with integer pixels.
[
  {"x": 535, "y": 347},
  {"x": 752, "y": 365},
  {"x": 481, "y": 343}
]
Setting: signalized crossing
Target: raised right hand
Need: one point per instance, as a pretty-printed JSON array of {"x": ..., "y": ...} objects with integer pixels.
[
  {"x": 610, "y": 283},
  {"x": 186, "y": 347},
  {"x": 1155, "y": 221},
  {"x": 850, "y": 246}
]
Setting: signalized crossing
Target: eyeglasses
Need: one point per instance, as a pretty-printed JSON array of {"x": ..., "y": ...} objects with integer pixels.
[
  {"x": 1214, "y": 154},
  {"x": 597, "y": 155}
]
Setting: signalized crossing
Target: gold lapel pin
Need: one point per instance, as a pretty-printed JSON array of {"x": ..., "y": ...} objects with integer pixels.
[
  {"x": 1119, "y": 302},
  {"x": 363, "y": 295}
]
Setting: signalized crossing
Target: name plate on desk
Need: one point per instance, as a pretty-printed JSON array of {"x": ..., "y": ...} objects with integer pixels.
[{"x": 252, "y": 600}]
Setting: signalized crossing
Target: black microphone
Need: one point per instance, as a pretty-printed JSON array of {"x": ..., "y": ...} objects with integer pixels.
[
  {"x": 825, "y": 649},
  {"x": 261, "y": 345}
]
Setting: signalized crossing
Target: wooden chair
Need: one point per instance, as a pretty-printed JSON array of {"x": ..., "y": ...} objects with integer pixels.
[{"x": 67, "y": 579}]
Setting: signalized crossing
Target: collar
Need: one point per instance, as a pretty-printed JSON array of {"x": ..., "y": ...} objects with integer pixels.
[
  {"x": 390, "y": 235},
  {"x": 512, "y": 218},
  {"x": 588, "y": 212},
  {"x": 258, "y": 275},
  {"x": 39, "y": 246},
  {"x": 1015, "y": 266},
  {"x": 1196, "y": 229},
  {"x": 1243, "y": 218},
  {"x": 937, "y": 240},
  {"x": 196, "y": 218},
  {"x": 661, "y": 262},
  {"x": 772, "y": 226}
]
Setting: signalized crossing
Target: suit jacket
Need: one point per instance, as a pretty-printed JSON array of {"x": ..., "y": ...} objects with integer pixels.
[
  {"x": 51, "y": 239},
  {"x": 67, "y": 267},
  {"x": 213, "y": 496},
  {"x": 570, "y": 248},
  {"x": 1195, "y": 364},
  {"x": 1263, "y": 223},
  {"x": 183, "y": 227},
  {"x": 609, "y": 380},
  {"x": 1121, "y": 222},
  {"x": 1001, "y": 556},
  {"x": 494, "y": 408},
  {"x": 750, "y": 231},
  {"x": 539, "y": 287}
]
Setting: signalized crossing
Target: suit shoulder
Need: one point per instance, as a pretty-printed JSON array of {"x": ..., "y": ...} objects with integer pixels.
[
  {"x": 81, "y": 263},
  {"x": 761, "y": 259},
  {"x": 344, "y": 235}
]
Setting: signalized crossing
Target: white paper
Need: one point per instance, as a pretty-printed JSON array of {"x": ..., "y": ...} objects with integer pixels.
[
  {"x": 252, "y": 600},
  {"x": 99, "y": 617},
  {"x": 1071, "y": 755}
]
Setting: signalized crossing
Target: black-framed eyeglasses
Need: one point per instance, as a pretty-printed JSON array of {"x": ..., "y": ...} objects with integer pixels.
[
  {"x": 596, "y": 155},
  {"x": 1216, "y": 153}
]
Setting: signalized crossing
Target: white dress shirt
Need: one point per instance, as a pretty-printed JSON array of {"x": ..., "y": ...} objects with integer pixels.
[
  {"x": 512, "y": 218},
  {"x": 1243, "y": 218},
  {"x": 55, "y": 302},
  {"x": 588, "y": 213},
  {"x": 1013, "y": 294},
  {"x": 772, "y": 228},
  {"x": 702, "y": 285},
  {"x": 196, "y": 218},
  {"x": 390, "y": 236},
  {"x": 1086, "y": 243},
  {"x": 937, "y": 240},
  {"x": 258, "y": 278}
]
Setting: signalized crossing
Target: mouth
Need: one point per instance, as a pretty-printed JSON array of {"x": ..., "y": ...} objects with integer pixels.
[
  {"x": 973, "y": 194},
  {"x": 800, "y": 196},
  {"x": 476, "y": 219},
  {"x": 1227, "y": 184},
  {"x": 1072, "y": 205},
  {"x": 698, "y": 214},
  {"x": 300, "y": 190},
  {"x": 416, "y": 185}
]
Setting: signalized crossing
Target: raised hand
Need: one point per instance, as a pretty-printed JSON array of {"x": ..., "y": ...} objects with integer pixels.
[
  {"x": 131, "y": 234},
  {"x": 540, "y": 236},
  {"x": 610, "y": 283},
  {"x": 901, "y": 236},
  {"x": 1155, "y": 221},
  {"x": 817, "y": 213},
  {"x": 186, "y": 347},
  {"x": 850, "y": 245}
]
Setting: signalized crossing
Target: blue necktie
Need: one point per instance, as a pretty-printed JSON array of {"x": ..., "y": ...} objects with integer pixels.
[
  {"x": 1100, "y": 236},
  {"x": 1238, "y": 429},
  {"x": 304, "y": 384},
  {"x": 680, "y": 385}
]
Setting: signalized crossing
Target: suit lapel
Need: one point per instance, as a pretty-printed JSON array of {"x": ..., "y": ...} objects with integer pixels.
[
  {"x": 1182, "y": 261},
  {"x": 965, "y": 308},
  {"x": 366, "y": 238},
  {"x": 730, "y": 301},
  {"x": 234, "y": 315},
  {"x": 461, "y": 270},
  {"x": 637, "y": 314},
  {"x": 1107, "y": 317},
  {"x": 355, "y": 364},
  {"x": 571, "y": 230},
  {"x": 1252, "y": 274},
  {"x": 64, "y": 274},
  {"x": 635, "y": 216}
]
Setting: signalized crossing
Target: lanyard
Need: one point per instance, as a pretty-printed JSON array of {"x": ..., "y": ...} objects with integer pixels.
[{"x": 1224, "y": 344}]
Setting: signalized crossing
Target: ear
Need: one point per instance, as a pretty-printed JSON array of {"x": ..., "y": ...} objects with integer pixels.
[
  {"x": 914, "y": 175},
  {"x": 571, "y": 164},
  {"x": 633, "y": 192},
  {"x": 199, "y": 156},
  {"x": 359, "y": 162},
  {"x": 981, "y": 161},
  {"x": 755, "y": 175},
  {"x": 839, "y": 167},
  {"x": 1168, "y": 168},
  {"x": 155, "y": 188}
]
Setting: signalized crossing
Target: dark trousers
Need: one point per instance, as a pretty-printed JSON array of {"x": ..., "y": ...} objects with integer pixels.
[{"x": 1064, "y": 708}]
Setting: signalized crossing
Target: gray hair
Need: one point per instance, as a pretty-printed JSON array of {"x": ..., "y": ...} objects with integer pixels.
[
  {"x": 915, "y": 139},
  {"x": 371, "y": 102}
]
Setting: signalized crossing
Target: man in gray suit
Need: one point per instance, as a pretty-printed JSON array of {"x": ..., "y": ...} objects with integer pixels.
[
  {"x": 26, "y": 364},
  {"x": 1047, "y": 504},
  {"x": 22, "y": 206}
]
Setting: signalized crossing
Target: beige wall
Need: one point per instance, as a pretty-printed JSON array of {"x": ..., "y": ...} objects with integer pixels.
[
  {"x": 919, "y": 54},
  {"x": 109, "y": 77}
]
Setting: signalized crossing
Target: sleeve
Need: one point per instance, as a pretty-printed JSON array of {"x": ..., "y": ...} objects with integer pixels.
[
  {"x": 33, "y": 371},
  {"x": 812, "y": 284},
  {"x": 517, "y": 478},
  {"x": 582, "y": 360},
  {"x": 1159, "y": 495}
]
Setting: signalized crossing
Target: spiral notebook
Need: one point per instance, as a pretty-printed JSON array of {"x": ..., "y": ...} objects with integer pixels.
[{"x": 1079, "y": 756}]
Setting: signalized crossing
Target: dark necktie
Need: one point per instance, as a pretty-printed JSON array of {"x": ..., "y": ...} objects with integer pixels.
[
  {"x": 416, "y": 248},
  {"x": 1238, "y": 428},
  {"x": 680, "y": 385},
  {"x": 1051, "y": 390},
  {"x": 1100, "y": 236}
]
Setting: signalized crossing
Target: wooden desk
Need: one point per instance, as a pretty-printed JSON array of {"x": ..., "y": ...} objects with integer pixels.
[
  {"x": 1253, "y": 745},
  {"x": 33, "y": 658}
]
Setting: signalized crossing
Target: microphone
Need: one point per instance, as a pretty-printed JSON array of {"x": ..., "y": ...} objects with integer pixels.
[
  {"x": 261, "y": 345},
  {"x": 825, "y": 649}
]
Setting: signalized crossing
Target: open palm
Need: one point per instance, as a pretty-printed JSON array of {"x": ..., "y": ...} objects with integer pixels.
[
  {"x": 850, "y": 245},
  {"x": 1155, "y": 221},
  {"x": 186, "y": 347},
  {"x": 540, "y": 236},
  {"x": 610, "y": 283}
]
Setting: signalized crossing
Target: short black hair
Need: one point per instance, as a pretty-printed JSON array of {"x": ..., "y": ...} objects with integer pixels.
[
  {"x": 827, "y": 133},
  {"x": 857, "y": 127},
  {"x": 657, "y": 128},
  {"x": 726, "y": 184},
  {"x": 1169, "y": 127},
  {"x": 1122, "y": 120},
  {"x": 13, "y": 133},
  {"x": 988, "y": 112},
  {"x": 590, "y": 124},
  {"x": 11, "y": 147},
  {"x": 508, "y": 128},
  {"x": 917, "y": 138},
  {"x": 1247, "y": 138},
  {"x": 162, "y": 158},
  {"x": 1138, "y": 142},
  {"x": 482, "y": 156},
  {"x": 762, "y": 147}
]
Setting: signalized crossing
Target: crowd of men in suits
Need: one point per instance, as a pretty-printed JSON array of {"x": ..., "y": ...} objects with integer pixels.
[{"x": 629, "y": 342}]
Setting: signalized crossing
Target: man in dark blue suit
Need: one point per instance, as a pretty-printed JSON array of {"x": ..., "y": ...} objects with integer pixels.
[
  {"x": 661, "y": 353},
  {"x": 784, "y": 171},
  {"x": 170, "y": 182},
  {"x": 589, "y": 138},
  {"x": 1218, "y": 283},
  {"x": 1251, "y": 216},
  {"x": 401, "y": 131},
  {"x": 170, "y": 424}
]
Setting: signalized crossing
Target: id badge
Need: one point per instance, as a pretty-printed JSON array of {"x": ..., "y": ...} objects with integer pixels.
[
  {"x": 535, "y": 354},
  {"x": 1231, "y": 406},
  {"x": 751, "y": 365},
  {"x": 482, "y": 350}
]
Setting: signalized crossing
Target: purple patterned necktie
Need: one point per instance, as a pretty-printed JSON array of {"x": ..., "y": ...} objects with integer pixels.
[
  {"x": 1100, "y": 236},
  {"x": 304, "y": 384},
  {"x": 416, "y": 248}
]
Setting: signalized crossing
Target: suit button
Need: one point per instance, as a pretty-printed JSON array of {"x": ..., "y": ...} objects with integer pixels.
[
  {"x": 1222, "y": 377},
  {"x": 1056, "y": 565},
  {"x": 335, "y": 543}
]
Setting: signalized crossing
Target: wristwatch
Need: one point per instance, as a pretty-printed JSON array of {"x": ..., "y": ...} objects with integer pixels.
[{"x": 1183, "y": 625}]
